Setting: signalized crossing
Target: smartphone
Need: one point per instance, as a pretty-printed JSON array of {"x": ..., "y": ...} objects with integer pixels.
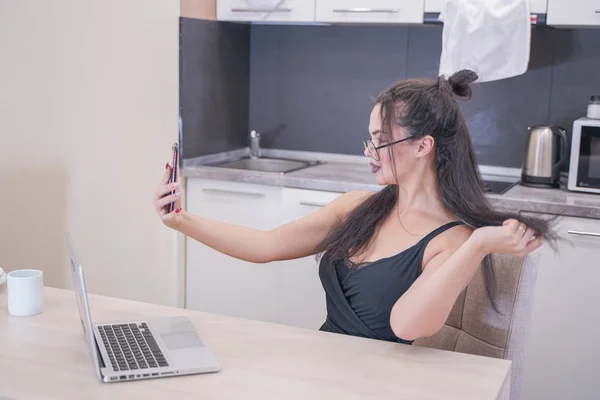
[{"x": 174, "y": 171}]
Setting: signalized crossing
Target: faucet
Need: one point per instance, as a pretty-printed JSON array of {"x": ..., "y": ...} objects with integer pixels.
[{"x": 254, "y": 144}]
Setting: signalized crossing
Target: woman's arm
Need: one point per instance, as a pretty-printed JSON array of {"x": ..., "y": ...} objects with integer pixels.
[
  {"x": 296, "y": 239},
  {"x": 425, "y": 306}
]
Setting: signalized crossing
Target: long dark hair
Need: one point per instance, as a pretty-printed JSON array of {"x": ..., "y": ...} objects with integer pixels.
[{"x": 429, "y": 107}]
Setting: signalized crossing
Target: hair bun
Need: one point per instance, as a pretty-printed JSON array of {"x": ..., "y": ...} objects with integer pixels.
[{"x": 460, "y": 81}]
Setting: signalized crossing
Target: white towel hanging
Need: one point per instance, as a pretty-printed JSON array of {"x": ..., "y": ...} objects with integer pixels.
[{"x": 490, "y": 37}]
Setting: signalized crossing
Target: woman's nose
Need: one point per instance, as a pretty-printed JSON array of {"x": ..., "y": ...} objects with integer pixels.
[{"x": 366, "y": 152}]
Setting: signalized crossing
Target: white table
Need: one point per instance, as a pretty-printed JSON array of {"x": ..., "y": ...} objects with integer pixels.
[{"x": 45, "y": 356}]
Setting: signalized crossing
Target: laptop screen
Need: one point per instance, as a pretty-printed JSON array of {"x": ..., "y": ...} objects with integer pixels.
[
  {"x": 82, "y": 304},
  {"x": 78, "y": 295}
]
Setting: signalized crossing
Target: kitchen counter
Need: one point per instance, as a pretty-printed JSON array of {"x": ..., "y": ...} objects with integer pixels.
[
  {"x": 342, "y": 173},
  {"x": 45, "y": 356},
  {"x": 551, "y": 201}
]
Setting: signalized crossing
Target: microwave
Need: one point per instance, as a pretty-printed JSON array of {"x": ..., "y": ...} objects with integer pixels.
[{"x": 584, "y": 167}]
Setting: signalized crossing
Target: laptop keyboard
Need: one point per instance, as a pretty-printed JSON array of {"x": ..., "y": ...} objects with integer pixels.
[{"x": 131, "y": 347}]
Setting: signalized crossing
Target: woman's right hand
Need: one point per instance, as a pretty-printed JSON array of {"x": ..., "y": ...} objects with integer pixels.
[{"x": 163, "y": 197}]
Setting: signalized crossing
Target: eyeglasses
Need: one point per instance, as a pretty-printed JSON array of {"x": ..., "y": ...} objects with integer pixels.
[{"x": 374, "y": 149}]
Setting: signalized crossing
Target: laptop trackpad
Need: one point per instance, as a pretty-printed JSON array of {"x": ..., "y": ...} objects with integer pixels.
[{"x": 180, "y": 341}]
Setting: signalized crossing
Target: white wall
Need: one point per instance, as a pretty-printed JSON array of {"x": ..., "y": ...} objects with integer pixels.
[{"x": 88, "y": 113}]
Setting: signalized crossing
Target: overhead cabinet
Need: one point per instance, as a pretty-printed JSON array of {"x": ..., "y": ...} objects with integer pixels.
[
  {"x": 535, "y": 6},
  {"x": 372, "y": 11},
  {"x": 558, "y": 13},
  {"x": 287, "y": 11},
  {"x": 574, "y": 13}
]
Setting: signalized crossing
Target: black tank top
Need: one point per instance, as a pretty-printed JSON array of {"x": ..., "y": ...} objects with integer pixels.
[{"x": 360, "y": 297}]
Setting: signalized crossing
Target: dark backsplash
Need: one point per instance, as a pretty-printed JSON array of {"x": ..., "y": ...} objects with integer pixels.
[
  {"x": 214, "y": 81},
  {"x": 311, "y": 87}
]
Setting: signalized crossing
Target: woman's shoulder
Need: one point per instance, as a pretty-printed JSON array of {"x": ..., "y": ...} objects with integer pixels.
[
  {"x": 455, "y": 236},
  {"x": 449, "y": 240}
]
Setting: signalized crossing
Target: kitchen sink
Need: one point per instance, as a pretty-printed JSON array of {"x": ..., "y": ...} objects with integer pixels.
[{"x": 267, "y": 164}]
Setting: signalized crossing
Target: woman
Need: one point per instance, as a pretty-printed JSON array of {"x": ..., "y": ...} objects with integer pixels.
[{"x": 394, "y": 261}]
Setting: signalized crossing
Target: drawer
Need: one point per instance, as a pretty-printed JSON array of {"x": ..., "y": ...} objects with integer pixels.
[
  {"x": 574, "y": 13},
  {"x": 535, "y": 6},
  {"x": 363, "y": 11},
  {"x": 261, "y": 11}
]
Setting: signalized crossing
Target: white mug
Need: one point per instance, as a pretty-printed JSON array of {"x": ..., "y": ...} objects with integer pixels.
[{"x": 25, "y": 292}]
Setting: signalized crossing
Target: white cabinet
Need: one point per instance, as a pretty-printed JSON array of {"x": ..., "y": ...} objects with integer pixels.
[
  {"x": 563, "y": 349},
  {"x": 535, "y": 6},
  {"x": 287, "y": 292},
  {"x": 298, "y": 203},
  {"x": 266, "y": 11},
  {"x": 538, "y": 6},
  {"x": 216, "y": 282},
  {"x": 300, "y": 293},
  {"x": 369, "y": 11},
  {"x": 574, "y": 13},
  {"x": 434, "y": 6}
]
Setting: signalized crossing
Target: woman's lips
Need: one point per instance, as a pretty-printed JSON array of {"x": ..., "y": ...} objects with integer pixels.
[{"x": 375, "y": 168}]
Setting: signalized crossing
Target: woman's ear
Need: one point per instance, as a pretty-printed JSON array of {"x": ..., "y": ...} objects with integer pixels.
[{"x": 425, "y": 146}]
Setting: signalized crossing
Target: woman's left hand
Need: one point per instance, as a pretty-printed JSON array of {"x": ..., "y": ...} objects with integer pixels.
[{"x": 513, "y": 237}]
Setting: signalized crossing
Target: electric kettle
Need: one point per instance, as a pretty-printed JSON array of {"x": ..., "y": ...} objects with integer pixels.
[{"x": 547, "y": 152}]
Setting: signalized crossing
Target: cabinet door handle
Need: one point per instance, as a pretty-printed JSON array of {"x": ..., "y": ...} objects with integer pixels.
[
  {"x": 582, "y": 233},
  {"x": 597, "y": 11},
  {"x": 262, "y": 10},
  {"x": 233, "y": 192},
  {"x": 312, "y": 204},
  {"x": 367, "y": 10}
]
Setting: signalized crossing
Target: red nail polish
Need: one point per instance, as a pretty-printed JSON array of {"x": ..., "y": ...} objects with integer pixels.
[
  {"x": 167, "y": 166},
  {"x": 177, "y": 211}
]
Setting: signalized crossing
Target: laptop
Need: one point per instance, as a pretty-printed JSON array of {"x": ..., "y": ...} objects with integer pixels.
[{"x": 153, "y": 348}]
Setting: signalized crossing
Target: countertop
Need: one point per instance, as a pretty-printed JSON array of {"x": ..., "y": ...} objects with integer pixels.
[
  {"x": 343, "y": 173},
  {"x": 45, "y": 356}
]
